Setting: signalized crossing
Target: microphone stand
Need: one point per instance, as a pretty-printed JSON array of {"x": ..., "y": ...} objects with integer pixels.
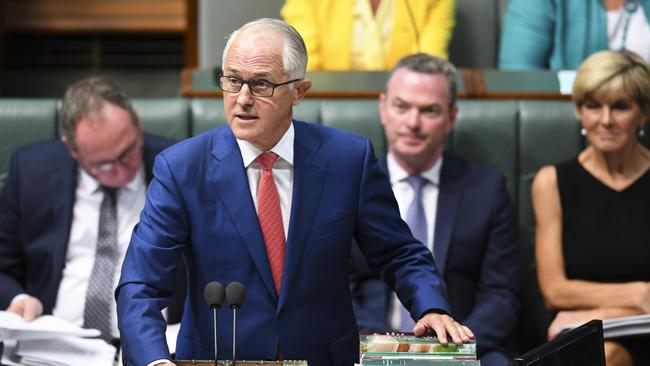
[
  {"x": 234, "y": 331},
  {"x": 213, "y": 294},
  {"x": 214, "y": 324}
]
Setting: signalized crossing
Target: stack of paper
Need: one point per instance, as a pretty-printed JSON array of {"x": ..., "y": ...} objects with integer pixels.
[
  {"x": 66, "y": 351},
  {"x": 13, "y": 326},
  {"x": 408, "y": 350},
  {"x": 626, "y": 326},
  {"x": 55, "y": 342}
]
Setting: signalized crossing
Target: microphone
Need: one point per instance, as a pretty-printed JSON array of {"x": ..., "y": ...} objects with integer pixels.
[
  {"x": 213, "y": 295},
  {"x": 235, "y": 292}
]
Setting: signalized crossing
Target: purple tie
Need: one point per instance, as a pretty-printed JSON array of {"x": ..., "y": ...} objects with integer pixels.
[{"x": 417, "y": 221}]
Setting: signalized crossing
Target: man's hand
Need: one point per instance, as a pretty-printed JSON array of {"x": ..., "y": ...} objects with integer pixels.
[
  {"x": 28, "y": 307},
  {"x": 441, "y": 325}
]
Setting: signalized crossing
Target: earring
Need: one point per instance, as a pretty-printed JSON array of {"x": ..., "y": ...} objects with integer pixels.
[
  {"x": 641, "y": 132},
  {"x": 583, "y": 132}
]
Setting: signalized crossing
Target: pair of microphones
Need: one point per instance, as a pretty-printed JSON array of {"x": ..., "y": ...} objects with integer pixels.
[{"x": 214, "y": 295}]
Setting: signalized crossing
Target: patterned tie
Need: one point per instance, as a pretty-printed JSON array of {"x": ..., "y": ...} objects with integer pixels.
[
  {"x": 97, "y": 312},
  {"x": 270, "y": 216},
  {"x": 417, "y": 221}
]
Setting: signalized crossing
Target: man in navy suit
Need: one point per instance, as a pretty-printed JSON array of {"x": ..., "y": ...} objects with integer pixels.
[
  {"x": 465, "y": 216},
  {"x": 204, "y": 203},
  {"x": 50, "y": 204}
]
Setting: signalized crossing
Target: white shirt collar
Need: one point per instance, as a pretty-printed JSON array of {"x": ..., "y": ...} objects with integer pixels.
[
  {"x": 91, "y": 185},
  {"x": 398, "y": 174},
  {"x": 284, "y": 148}
]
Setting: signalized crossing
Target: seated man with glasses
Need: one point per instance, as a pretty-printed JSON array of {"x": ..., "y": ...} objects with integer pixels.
[{"x": 68, "y": 208}]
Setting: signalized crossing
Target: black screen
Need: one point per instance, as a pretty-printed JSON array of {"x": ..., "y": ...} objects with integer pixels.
[{"x": 579, "y": 346}]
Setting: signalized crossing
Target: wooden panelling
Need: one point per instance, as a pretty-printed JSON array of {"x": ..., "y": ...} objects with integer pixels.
[
  {"x": 472, "y": 84},
  {"x": 91, "y": 16}
]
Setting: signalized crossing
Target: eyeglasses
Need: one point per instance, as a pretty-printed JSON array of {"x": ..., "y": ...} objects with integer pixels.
[
  {"x": 259, "y": 88},
  {"x": 125, "y": 158}
]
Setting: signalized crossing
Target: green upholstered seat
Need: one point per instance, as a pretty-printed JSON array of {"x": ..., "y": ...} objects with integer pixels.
[
  {"x": 206, "y": 113},
  {"x": 167, "y": 117},
  {"x": 357, "y": 116},
  {"x": 23, "y": 121}
]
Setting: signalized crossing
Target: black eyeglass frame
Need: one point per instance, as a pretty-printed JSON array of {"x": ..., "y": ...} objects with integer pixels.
[{"x": 250, "y": 88}]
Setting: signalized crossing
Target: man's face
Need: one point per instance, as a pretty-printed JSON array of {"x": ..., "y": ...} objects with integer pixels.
[
  {"x": 109, "y": 146},
  {"x": 416, "y": 116},
  {"x": 262, "y": 121}
]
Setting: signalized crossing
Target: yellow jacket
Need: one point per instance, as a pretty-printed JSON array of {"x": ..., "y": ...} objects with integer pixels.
[{"x": 326, "y": 27}]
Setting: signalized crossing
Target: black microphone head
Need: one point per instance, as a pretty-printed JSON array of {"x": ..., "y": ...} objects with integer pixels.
[
  {"x": 235, "y": 294},
  {"x": 213, "y": 294}
]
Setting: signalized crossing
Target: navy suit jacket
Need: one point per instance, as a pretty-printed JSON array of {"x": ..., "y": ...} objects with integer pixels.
[
  {"x": 475, "y": 248},
  {"x": 200, "y": 205},
  {"x": 36, "y": 207}
]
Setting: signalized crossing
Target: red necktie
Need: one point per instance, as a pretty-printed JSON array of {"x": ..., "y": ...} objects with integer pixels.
[{"x": 270, "y": 216}]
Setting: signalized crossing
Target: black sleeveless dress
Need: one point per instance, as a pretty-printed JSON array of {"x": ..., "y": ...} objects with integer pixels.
[{"x": 606, "y": 234}]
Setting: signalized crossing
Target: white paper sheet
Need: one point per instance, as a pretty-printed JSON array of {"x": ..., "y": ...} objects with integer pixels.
[{"x": 13, "y": 326}]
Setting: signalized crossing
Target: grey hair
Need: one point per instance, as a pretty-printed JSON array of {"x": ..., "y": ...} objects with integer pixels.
[
  {"x": 427, "y": 64},
  {"x": 294, "y": 52},
  {"x": 87, "y": 97}
]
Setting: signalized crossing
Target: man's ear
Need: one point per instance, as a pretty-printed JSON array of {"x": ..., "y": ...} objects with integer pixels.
[
  {"x": 68, "y": 146},
  {"x": 382, "y": 108},
  {"x": 300, "y": 89},
  {"x": 453, "y": 114}
]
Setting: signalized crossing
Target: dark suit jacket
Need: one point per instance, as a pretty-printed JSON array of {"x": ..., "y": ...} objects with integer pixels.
[
  {"x": 475, "y": 248},
  {"x": 36, "y": 207},
  {"x": 200, "y": 204}
]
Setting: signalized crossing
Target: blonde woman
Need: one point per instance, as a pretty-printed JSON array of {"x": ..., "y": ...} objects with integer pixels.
[{"x": 593, "y": 212}]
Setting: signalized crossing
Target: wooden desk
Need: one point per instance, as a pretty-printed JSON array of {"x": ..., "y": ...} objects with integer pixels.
[
  {"x": 352, "y": 85},
  {"x": 537, "y": 84},
  {"x": 472, "y": 84}
]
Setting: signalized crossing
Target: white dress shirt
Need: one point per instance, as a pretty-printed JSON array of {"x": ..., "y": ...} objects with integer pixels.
[
  {"x": 82, "y": 242},
  {"x": 404, "y": 194},
  {"x": 282, "y": 171}
]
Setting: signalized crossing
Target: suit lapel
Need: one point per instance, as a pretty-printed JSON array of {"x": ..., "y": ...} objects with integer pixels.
[
  {"x": 230, "y": 180},
  {"x": 148, "y": 157},
  {"x": 449, "y": 195},
  {"x": 309, "y": 177},
  {"x": 62, "y": 181}
]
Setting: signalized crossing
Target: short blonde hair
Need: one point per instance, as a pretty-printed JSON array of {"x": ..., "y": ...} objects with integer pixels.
[{"x": 613, "y": 73}]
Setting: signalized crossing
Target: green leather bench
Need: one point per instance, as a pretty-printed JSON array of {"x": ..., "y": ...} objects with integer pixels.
[{"x": 515, "y": 137}]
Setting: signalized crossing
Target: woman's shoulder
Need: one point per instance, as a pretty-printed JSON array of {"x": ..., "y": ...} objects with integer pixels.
[
  {"x": 545, "y": 180},
  {"x": 546, "y": 174}
]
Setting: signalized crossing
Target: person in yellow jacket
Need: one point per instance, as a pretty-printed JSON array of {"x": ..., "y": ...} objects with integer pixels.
[{"x": 346, "y": 35}]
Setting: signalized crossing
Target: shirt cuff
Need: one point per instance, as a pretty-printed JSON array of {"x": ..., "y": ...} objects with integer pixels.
[
  {"x": 156, "y": 362},
  {"x": 19, "y": 297}
]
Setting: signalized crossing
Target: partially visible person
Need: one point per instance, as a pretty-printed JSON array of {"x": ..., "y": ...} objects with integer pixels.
[
  {"x": 344, "y": 35},
  {"x": 69, "y": 206},
  {"x": 273, "y": 203},
  {"x": 461, "y": 211},
  {"x": 560, "y": 34},
  {"x": 592, "y": 212}
]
